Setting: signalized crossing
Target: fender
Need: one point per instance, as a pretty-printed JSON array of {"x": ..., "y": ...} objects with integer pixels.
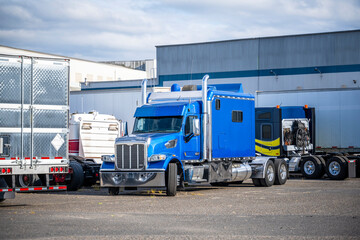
[
  {"x": 258, "y": 166},
  {"x": 165, "y": 163}
]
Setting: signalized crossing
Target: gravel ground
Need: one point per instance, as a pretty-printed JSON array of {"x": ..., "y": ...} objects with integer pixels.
[{"x": 300, "y": 209}]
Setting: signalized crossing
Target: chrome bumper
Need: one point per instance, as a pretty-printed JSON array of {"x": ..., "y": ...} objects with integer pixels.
[{"x": 132, "y": 179}]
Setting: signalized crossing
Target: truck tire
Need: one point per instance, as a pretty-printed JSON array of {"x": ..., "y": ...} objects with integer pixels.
[
  {"x": 171, "y": 182},
  {"x": 256, "y": 182},
  {"x": 24, "y": 180},
  {"x": 269, "y": 179},
  {"x": 323, "y": 165},
  {"x": 113, "y": 191},
  {"x": 77, "y": 177},
  {"x": 3, "y": 184},
  {"x": 281, "y": 172},
  {"x": 311, "y": 167},
  {"x": 336, "y": 168}
]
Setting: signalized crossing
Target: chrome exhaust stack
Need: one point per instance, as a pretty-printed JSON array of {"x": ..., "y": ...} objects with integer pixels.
[
  {"x": 205, "y": 117},
  {"x": 143, "y": 91}
]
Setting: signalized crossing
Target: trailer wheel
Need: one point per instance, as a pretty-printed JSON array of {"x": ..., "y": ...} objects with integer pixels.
[
  {"x": 77, "y": 177},
  {"x": 3, "y": 184},
  {"x": 269, "y": 179},
  {"x": 311, "y": 167},
  {"x": 113, "y": 191},
  {"x": 171, "y": 183},
  {"x": 24, "y": 180},
  {"x": 256, "y": 182},
  {"x": 323, "y": 165},
  {"x": 282, "y": 172},
  {"x": 336, "y": 168}
]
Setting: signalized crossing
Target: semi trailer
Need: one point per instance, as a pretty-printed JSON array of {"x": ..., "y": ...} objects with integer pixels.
[
  {"x": 290, "y": 132},
  {"x": 190, "y": 136},
  {"x": 34, "y": 110},
  {"x": 91, "y": 136}
]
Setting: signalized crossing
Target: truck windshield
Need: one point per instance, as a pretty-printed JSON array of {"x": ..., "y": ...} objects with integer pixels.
[{"x": 157, "y": 124}]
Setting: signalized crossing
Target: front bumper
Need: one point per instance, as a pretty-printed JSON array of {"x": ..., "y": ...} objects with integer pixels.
[{"x": 132, "y": 179}]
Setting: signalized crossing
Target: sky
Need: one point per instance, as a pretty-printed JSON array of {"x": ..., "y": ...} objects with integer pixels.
[{"x": 119, "y": 30}]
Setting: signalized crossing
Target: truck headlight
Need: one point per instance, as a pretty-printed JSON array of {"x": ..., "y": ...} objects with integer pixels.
[
  {"x": 171, "y": 143},
  {"x": 108, "y": 158},
  {"x": 157, "y": 157}
]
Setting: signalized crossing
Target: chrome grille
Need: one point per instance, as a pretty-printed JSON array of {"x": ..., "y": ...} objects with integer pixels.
[{"x": 130, "y": 156}]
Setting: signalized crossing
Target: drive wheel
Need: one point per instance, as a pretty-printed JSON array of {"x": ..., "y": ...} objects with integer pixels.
[
  {"x": 171, "y": 182},
  {"x": 311, "y": 167},
  {"x": 113, "y": 191},
  {"x": 25, "y": 180},
  {"x": 282, "y": 172},
  {"x": 336, "y": 168},
  {"x": 269, "y": 179},
  {"x": 77, "y": 177}
]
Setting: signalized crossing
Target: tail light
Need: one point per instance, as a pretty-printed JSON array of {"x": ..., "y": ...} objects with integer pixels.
[{"x": 5, "y": 170}]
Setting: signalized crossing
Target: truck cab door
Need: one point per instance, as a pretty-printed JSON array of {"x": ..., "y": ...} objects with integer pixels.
[{"x": 191, "y": 147}]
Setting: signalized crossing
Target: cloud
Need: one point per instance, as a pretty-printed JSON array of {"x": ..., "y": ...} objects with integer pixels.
[{"x": 126, "y": 30}]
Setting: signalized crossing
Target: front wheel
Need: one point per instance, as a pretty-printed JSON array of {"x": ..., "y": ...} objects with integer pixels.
[{"x": 171, "y": 182}]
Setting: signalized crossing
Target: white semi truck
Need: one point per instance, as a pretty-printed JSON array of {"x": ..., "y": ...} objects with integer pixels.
[{"x": 34, "y": 111}]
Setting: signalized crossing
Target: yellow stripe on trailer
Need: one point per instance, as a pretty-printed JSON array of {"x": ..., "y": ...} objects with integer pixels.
[
  {"x": 267, "y": 152},
  {"x": 273, "y": 143}
]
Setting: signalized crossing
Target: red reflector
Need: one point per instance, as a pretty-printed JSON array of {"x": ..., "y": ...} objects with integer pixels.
[
  {"x": 58, "y": 158},
  {"x": 334, "y": 146},
  {"x": 24, "y": 189},
  {"x": 318, "y": 147},
  {"x": 3, "y": 170},
  {"x": 38, "y": 189},
  {"x": 13, "y": 158},
  {"x": 51, "y": 169},
  {"x": 2, "y": 158},
  {"x": 96, "y": 174},
  {"x": 56, "y": 169},
  {"x": 51, "y": 188},
  {"x": 61, "y": 169},
  {"x": 62, "y": 187},
  {"x": 8, "y": 170},
  {"x": 45, "y": 158}
]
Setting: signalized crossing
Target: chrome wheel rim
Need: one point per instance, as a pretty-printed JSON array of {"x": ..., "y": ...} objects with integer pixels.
[
  {"x": 309, "y": 167},
  {"x": 283, "y": 172},
  {"x": 334, "y": 168},
  {"x": 270, "y": 173}
]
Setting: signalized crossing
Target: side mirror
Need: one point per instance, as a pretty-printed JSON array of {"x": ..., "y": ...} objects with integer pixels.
[{"x": 196, "y": 127}]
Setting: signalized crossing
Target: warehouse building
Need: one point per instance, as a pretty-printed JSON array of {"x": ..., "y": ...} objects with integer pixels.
[
  {"x": 85, "y": 71},
  {"x": 319, "y": 70}
]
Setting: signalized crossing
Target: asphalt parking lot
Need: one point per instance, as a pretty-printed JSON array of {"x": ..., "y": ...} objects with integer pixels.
[{"x": 301, "y": 209}]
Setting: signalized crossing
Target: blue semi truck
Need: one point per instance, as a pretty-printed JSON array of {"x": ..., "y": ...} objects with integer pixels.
[
  {"x": 191, "y": 136},
  {"x": 290, "y": 132}
]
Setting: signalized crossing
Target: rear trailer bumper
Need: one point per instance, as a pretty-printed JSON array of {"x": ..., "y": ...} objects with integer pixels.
[{"x": 132, "y": 179}]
